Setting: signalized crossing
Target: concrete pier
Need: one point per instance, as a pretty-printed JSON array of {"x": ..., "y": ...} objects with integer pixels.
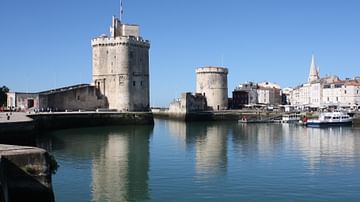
[
  {"x": 21, "y": 123},
  {"x": 52, "y": 121},
  {"x": 25, "y": 174},
  {"x": 224, "y": 115}
]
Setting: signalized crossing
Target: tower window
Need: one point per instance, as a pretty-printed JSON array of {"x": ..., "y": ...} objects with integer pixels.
[
  {"x": 141, "y": 83},
  {"x": 131, "y": 54},
  {"x": 134, "y": 83}
]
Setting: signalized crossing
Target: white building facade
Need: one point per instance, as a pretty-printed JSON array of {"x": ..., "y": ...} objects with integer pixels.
[{"x": 326, "y": 92}]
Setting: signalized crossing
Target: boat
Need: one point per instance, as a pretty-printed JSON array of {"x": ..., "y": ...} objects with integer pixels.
[
  {"x": 330, "y": 119},
  {"x": 291, "y": 118},
  {"x": 257, "y": 120}
]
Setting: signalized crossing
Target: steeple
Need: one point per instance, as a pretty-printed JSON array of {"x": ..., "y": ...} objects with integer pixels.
[{"x": 313, "y": 74}]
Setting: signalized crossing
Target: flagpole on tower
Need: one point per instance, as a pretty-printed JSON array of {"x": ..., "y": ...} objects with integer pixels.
[{"x": 121, "y": 10}]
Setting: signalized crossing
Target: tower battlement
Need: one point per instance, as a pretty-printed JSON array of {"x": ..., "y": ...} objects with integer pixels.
[
  {"x": 212, "y": 69},
  {"x": 124, "y": 40}
]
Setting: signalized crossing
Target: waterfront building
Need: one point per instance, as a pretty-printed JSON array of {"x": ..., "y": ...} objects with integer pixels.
[
  {"x": 121, "y": 67},
  {"x": 343, "y": 94},
  {"x": 286, "y": 96},
  {"x": 245, "y": 94},
  {"x": 250, "y": 93},
  {"x": 211, "y": 82},
  {"x": 269, "y": 93},
  {"x": 326, "y": 92}
]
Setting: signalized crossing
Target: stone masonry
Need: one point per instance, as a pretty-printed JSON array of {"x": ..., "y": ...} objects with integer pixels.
[{"x": 121, "y": 67}]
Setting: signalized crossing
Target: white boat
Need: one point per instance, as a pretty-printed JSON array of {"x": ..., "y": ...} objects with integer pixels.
[
  {"x": 330, "y": 119},
  {"x": 291, "y": 118}
]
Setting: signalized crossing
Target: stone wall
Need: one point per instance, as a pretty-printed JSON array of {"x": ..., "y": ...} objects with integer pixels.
[
  {"x": 51, "y": 121},
  {"x": 188, "y": 103},
  {"x": 81, "y": 98}
]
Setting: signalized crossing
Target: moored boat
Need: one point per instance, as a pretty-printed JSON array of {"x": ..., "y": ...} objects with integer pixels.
[
  {"x": 330, "y": 119},
  {"x": 291, "y": 118}
]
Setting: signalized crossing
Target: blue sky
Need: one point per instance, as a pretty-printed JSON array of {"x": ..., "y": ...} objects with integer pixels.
[{"x": 46, "y": 44}]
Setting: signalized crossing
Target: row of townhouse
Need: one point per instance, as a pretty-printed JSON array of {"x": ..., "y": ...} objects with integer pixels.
[{"x": 326, "y": 92}]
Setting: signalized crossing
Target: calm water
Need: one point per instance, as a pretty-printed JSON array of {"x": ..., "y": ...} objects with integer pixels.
[{"x": 175, "y": 161}]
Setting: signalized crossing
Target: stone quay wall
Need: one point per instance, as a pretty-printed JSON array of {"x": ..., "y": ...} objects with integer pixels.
[
  {"x": 52, "y": 121},
  {"x": 25, "y": 174}
]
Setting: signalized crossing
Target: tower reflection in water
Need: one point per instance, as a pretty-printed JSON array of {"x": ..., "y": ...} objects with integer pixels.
[
  {"x": 119, "y": 159},
  {"x": 280, "y": 142},
  {"x": 209, "y": 140}
]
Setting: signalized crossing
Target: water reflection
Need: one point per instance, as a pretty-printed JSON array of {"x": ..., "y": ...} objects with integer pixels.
[
  {"x": 334, "y": 146},
  {"x": 261, "y": 140},
  {"x": 314, "y": 146},
  {"x": 118, "y": 156},
  {"x": 258, "y": 162},
  {"x": 210, "y": 142}
]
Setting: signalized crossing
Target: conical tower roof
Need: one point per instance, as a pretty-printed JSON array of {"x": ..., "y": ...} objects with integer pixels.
[{"x": 313, "y": 74}]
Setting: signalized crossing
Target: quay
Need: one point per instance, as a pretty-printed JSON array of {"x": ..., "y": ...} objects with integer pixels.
[
  {"x": 222, "y": 115},
  {"x": 253, "y": 116},
  {"x": 20, "y": 122},
  {"x": 25, "y": 174}
]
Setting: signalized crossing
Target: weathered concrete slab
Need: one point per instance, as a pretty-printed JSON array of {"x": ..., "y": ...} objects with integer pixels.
[{"x": 25, "y": 174}]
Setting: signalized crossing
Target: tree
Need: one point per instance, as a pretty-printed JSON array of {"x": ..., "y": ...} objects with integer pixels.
[{"x": 3, "y": 96}]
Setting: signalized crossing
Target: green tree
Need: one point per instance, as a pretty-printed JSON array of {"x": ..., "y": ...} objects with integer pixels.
[{"x": 3, "y": 96}]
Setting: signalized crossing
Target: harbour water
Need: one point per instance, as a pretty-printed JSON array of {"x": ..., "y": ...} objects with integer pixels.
[{"x": 206, "y": 161}]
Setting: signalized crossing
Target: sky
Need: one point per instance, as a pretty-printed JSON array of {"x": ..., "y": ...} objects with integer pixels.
[{"x": 46, "y": 44}]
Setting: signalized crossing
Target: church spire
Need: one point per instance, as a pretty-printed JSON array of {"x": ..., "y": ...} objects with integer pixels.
[{"x": 313, "y": 74}]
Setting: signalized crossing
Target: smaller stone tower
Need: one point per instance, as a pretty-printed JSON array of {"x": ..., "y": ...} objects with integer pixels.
[
  {"x": 212, "y": 83},
  {"x": 313, "y": 73}
]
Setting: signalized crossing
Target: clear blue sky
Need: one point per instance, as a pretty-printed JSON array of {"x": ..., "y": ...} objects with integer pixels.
[{"x": 46, "y": 44}]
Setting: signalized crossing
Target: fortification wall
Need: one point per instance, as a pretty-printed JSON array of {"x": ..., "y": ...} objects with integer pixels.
[{"x": 83, "y": 98}]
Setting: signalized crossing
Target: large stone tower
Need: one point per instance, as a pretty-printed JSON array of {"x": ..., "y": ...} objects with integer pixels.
[
  {"x": 212, "y": 82},
  {"x": 313, "y": 73},
  {"x": 121, "y": 67}
]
